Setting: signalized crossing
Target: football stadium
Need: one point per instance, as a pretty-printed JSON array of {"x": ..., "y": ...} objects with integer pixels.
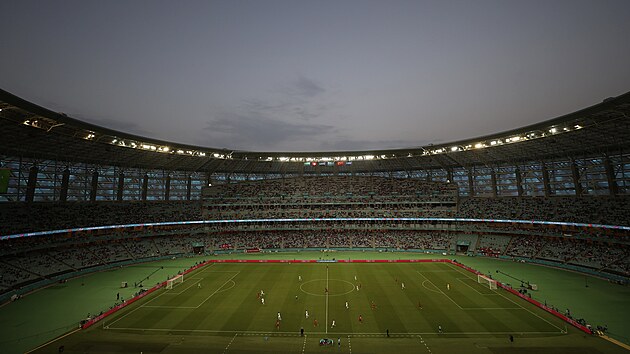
[
  {"x": 515, "y": 242},
  {"x": 315, "y": 177}
]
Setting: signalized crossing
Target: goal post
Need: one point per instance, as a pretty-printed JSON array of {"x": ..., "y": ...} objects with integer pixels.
[
  {"x": 175, "y": 280},
  {"x": 482, "y": 279}
]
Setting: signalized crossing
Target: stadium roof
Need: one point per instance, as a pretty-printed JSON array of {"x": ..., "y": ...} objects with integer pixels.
[{"x": 30, "y": 130}]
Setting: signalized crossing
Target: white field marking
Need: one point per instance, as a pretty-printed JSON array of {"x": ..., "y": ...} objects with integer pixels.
[
  {"x": 207, "y": 267},
  {"x": 425, "y": 343},
  {"x": 216, "y": 291},
  {"x": 136, "y": 309},
  {"x": 314, "y": 280},
  {"x": 463, "y": 280},
  {"x": 491, "y": 308},
  {"x": 440, "y": 290},
  {"x": 327, "y": 290},
  {"x": 304, "y": 345},
  {"x": 52, "y": 341},
  {"x": 226, "y": 289},
  {"x": 171, "y": 307},
  {"x": 434, "y": 290},
  {"x": 349, "y": 345},
  {"x": 517, "y": 304},
  {"x": 233, "y": 338},
  {"x": 145, "y": 304},
  {"x": 295, "y": 334},
  {"x": 180, "y": 292}
]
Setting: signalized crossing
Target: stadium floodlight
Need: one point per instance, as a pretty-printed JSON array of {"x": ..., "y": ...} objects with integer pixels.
[
  {"x": 577, "y": 126},
  {"x": 553, "y": 130},
  {"x": 166, "y": 149},
  {"x": 454, "y": 148},
  {"x": 478, "y": 145}
]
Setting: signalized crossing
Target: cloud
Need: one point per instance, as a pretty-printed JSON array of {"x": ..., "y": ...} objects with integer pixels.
[
  {"x": 115, "y": 124},
  {"x": 283, "y": 119},
  {"x": 347, "y": 144},
  {"x": 305, "y": 87},
  {"x": 258, "y": 132}
]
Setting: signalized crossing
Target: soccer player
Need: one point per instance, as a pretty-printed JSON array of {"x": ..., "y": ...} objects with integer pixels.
[
  {"x": 306, "y": 314},
  {"x": 277, "y": 324},
  {"x": 347, "y": 306},
  {"x": 440, "y": 328},
  {"x": 315, "y": 323},
  {"x": 357, "y": 287},
  {"x": 373, "y": 306},
  {"x": 199, "y": 285},
  {"x": 402, "y": 285},
  {"x": 299, "y": 278},
  {"x": 295, "y": 297},
  {"x": 279, "y": 317},
  {"x": 360, "y": 318},
  {"x": 419, "y": 305},
  {"x": 262, "y": 300},
  {"x": 355, "y": 278},
  {"x": 448, "y": 286},
  {"x": 333, "y": 324},
  {"x": 262, "y": 293}
]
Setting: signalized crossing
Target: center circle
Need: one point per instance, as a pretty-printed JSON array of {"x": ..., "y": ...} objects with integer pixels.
[{"x": 336, "y": 287}]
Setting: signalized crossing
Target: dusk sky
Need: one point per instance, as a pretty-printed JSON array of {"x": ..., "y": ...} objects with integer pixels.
[{"x": 315, "y": 75}]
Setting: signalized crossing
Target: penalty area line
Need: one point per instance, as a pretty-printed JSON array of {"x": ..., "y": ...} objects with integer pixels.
[{"x": 512, "y": 301}]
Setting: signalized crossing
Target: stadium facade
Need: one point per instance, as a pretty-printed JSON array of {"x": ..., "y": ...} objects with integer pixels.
[{"x": 53, "y": 157}]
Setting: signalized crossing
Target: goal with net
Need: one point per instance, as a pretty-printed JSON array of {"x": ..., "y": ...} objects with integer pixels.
[
  {"x": 482, "y": 279},
  {"x": 175, "y": 280}
]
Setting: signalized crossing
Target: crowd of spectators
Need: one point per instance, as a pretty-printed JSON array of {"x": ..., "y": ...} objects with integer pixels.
[
  {"x": 331, "y": 186},
  {"x": 492, "y": 245},
  {"x": 588, "y": 209},
  {"x": 524, "y": 246},
  {"x": 20, "y": 217},
  {"x": 561, "y": 250},
  {"x": 25, "y": 266},
  {"x": 330, "y": 197},
  {"x": 28, "y": 259}
]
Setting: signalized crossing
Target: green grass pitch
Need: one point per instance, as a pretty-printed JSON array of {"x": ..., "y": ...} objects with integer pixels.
[
  {"x": 228, "y": 301},
  {"x": 218, "y": 309}
]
